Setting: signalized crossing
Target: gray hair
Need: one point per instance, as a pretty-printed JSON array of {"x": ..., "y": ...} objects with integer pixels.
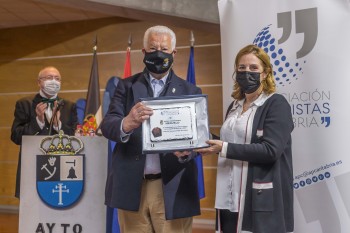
[{"x": 160, "y": 30}]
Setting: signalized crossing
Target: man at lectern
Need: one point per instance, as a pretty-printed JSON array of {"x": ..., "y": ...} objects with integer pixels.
[{"x": 43, "y": 114}]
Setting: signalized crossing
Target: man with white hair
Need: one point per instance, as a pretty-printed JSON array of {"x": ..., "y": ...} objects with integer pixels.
[{"x": 153, "y": 192}]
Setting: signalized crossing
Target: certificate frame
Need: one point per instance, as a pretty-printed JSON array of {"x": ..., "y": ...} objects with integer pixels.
[{"x": 178, "y": 123}]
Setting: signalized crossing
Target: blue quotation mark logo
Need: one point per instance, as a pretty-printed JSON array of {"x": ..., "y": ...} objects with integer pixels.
[
  {"x": 286, "y": 68},
  {"x": 326, "y": 121}
]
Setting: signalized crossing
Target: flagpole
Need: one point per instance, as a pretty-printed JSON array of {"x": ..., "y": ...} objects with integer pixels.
[
  {"x": 192, "y": 40},
  {"x": 128, "y": 49},
  {"x": 95, "y": 44},
  {"x": 127, "y": 65},
  {"x": 191, "y": 77},
  {"x": 129, "y": 41}
]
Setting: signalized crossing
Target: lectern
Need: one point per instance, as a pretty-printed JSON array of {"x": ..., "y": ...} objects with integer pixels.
[{"x": 62, "y": 184}]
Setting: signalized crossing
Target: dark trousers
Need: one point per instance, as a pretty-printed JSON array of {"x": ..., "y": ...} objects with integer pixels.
[{"x": 228, "y": 221}]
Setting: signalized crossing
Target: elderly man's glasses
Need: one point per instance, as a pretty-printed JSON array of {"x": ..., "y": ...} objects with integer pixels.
[{"x": 51, "y": 77}]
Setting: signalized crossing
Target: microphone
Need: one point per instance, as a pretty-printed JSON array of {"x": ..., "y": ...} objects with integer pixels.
[{"x": 59, "y": 104}]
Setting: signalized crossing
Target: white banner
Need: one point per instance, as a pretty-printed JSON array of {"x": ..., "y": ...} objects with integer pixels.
[{"x": 309, "y": 46}]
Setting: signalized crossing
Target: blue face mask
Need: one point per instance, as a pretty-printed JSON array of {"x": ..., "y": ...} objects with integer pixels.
[{"x": 248, "y": 81}]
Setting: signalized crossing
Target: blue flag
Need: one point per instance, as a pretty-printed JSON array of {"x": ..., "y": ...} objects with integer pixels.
[
  {"x": 112, "y": 213},
  {"x": 112, "y": 224},
  {"x": 191, "y": 77}
]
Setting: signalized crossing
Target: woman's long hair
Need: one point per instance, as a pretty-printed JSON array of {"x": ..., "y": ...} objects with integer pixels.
[{"x": 268, "y": 83}]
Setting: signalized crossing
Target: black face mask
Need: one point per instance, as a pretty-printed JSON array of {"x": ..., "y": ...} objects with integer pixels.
[
  {"x": 248, "y": 81},
  {"x": 158, "y": 62}
]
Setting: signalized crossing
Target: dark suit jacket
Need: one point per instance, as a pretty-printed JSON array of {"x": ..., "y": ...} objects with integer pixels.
[
  {"x": 123, "y": 188},
  {"x": 25, "y": 124},
  {"x": 270, "y": 161}
]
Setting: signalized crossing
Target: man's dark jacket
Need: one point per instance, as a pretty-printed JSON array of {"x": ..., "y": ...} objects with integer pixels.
[
  {"x": 123, "y": 188},
  {"x": 25, "y": 124}
]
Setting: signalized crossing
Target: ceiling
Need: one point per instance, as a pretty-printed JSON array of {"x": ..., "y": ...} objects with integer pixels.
[
  {"x": 199, "y": 14},
  {"x": 20, "y": 13}
]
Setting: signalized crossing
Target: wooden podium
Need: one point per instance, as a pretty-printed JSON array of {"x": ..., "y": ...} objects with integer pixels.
[{"x": 44, "y": 208}]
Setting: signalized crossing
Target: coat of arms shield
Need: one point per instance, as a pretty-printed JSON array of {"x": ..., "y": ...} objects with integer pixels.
[{"x": 60, "y": 172}]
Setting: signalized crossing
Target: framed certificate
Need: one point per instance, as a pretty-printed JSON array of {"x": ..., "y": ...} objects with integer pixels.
[{"x": 178, "y": 123}]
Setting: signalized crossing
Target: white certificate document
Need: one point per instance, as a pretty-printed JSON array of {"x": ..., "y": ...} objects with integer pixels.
[
  {"x": 174, "y": 123},
  {"x": 177, "y": 123}
]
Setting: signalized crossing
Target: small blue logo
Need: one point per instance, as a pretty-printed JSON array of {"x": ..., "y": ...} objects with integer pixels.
[
  {"x": 327, "y": 174},
  {"x": 296, "y": 185},
  {"x": 320, "y": 177}
]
